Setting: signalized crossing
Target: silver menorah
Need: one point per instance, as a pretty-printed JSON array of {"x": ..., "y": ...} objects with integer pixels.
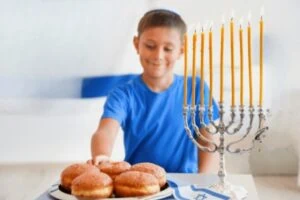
[{"x": 221, "y": 128}]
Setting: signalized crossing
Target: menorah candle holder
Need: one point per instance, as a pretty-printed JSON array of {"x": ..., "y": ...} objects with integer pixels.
[{"x": 223, "y": 186}]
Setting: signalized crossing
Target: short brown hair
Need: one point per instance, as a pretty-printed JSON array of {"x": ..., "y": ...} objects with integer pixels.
[{"x": 161, "y": 18}]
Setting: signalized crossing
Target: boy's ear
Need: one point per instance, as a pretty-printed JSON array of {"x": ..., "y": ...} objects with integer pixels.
[
  {"x": 136, "y": 43},
  {"x": 181, "y": 51}
]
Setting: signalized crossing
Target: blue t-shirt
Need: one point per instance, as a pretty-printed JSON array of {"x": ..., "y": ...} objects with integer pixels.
[{"x": 153, "y": 123}]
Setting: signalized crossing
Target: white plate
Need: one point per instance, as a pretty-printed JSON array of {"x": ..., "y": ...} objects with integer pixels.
[{"x": 55, "y": 192}]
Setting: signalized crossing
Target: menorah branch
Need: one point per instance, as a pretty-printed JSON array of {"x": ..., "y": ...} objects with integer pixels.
[
  {"x": 190, "y": 133},
  {"x": 211, "y": 121}
]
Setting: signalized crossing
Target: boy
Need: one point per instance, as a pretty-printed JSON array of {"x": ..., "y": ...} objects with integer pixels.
[{"x": 149, "y": 107}]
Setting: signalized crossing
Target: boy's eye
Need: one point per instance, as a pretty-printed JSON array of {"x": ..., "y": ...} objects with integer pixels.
[
  {"x": 149, "y": 46},
  {"x": 168, "y": 49}
]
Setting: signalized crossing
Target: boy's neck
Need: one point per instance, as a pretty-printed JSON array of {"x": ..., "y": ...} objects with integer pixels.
[{"x": 158, "y": 84}]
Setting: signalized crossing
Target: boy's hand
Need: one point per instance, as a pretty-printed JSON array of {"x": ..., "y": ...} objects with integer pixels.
[{"x": 98, "y": 159}]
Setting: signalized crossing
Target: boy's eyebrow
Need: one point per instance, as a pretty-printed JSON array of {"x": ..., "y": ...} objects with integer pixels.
[
  {"x": 170, "y": 43},
  {"x": 150, "y": 40},
  {"x": 167, "y": 43}
]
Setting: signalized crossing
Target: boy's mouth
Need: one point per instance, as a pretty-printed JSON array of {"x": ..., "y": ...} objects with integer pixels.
[{"x": 155, "y": 64}]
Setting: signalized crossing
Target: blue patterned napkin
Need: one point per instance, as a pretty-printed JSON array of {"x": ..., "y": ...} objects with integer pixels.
[{"x": 194, "y": 192}]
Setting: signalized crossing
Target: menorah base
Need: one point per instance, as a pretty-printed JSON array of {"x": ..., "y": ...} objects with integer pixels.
[{"x": 233, "y": 191}]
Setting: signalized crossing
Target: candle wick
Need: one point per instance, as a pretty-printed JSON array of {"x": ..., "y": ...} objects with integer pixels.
[
  {"x": 249, "y": 16},
  {"x": 241, "y": 22}
]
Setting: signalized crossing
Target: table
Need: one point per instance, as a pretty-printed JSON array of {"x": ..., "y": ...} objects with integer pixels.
[{"x": 203, "y": 180}]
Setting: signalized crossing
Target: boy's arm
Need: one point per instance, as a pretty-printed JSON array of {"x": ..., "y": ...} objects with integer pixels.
[
  {"x": 103, "y": 139},
  {"x": 207, "y": 162}
]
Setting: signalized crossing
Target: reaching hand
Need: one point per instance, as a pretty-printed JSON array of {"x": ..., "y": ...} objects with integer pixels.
[{"x": 98, "y": 159}]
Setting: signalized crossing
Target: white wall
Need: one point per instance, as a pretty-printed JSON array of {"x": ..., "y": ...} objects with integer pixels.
[
  {"x": 64, "y": 38},
  {"x": 45, "y": 46}
]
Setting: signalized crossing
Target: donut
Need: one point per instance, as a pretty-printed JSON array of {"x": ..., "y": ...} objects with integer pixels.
[
  {"x": 71, "y": 172},
  {"x": 135, "y": 183},
  {"x": 114, "y": 168},
  {"x": 92, "y": 185},
  {"x": 153, "y": 169}
]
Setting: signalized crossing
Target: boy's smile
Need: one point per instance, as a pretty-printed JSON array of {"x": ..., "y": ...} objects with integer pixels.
[{"x": 158, "y": 48}]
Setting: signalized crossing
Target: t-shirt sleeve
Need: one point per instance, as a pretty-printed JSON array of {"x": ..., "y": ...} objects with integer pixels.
[{"x": 116, "y": 106}]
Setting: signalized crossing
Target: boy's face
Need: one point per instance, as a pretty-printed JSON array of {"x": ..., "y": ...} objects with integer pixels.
[{"x": 158, "y": 48}]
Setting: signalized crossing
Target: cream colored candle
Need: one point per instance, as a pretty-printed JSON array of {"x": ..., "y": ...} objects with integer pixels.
[
  {"x": 250, "y": 63},
  {"x": 194, "y": 69},
  {"x": 202, "y": 67},
  {"x": 232, "y": 62},
  {"x": 241, "y": 66},
  {"x": 261, "y": 51},
  {"x": 210, "y": 65},
  {"x": 185, "y": 69},
  {"x": 222, "y": 63}
]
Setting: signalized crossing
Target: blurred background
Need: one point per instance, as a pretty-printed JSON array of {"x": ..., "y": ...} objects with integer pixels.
[{"x": 58, "y": 60}]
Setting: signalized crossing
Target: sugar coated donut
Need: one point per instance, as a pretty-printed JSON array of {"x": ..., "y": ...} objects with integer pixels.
[
  {"x": 72, "y": 171},
  {"x": 135, "y": 183},
  {"x": 92, "y": 185},
  {"x": 153, "y": 169},
  {"x": 114, "y": 168}
]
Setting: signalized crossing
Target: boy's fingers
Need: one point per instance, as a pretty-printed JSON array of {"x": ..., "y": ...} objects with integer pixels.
[
  {"x": 89, "y": 162},
  {"x": 99, "y": 159}
]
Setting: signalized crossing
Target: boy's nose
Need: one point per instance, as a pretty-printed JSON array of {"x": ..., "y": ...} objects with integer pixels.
[{"x": 158, "y": 54}]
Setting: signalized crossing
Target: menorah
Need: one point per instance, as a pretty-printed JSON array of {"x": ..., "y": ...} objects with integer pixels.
[{"x": 222, "y": 127}]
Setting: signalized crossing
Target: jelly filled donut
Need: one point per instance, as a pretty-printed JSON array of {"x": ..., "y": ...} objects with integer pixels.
[
  {"x": 72, "y": 171},
  {"x": 135, "y": 183},
  {"x": 153, "y": 169},
  {"x": 92, "y": 185},
  {"x": 114, "y": 168}
]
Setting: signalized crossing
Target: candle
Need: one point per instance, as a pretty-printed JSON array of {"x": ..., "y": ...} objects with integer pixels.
[
  {"x": 250, "y": 61},
  {"x": 232, "y": 61},
  {"x": 194, "y": 69},
  {"x": 202, "y": 68},
  {"x": 210, "y": 65},
  {"x": 261, "y": 71},
  {"x": 222, "y": 62},
  {"x": 185, "y": 69},
  {"x": 241, "y": 66}
]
